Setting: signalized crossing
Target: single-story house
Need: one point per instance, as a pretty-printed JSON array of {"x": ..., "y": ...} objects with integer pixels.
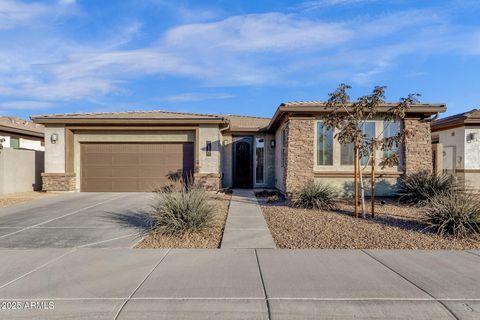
[
  {"x": 457, "y": 139},
  {"x": 21, "y": 155},
  {"x": 137, "y": 151},
  {"x": 20, "y": 134}
]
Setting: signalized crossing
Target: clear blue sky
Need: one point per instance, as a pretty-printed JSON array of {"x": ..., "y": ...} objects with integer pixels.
[{"x": 227, "y": 56}]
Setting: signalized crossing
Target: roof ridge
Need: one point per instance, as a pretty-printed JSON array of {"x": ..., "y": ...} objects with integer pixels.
[
  {"x": 124, "y": 112},
  {"x": 244, "y": 116}
]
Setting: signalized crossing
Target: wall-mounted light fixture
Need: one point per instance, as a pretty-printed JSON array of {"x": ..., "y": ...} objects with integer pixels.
[
  {"x": 272, "y": 143},
  {"x": 54, "y": 138},
  {"x": 209, "y": 148}
]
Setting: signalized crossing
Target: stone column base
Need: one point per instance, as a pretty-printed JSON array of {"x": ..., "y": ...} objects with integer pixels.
[
  {"x": 210, "y": 181},
  {"x": 58, "y": 181}
]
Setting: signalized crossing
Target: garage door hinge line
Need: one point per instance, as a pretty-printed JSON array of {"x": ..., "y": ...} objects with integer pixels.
[{"x": 65, "y": 215}]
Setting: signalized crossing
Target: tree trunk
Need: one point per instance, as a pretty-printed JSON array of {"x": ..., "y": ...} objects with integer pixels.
[
  {"x": 372, "y": 178},
  {"x": 362, "y": 189},
  {"x": 355, "y": 180}
]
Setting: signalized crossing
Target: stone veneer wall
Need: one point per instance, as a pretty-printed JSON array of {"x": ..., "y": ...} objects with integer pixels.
[
  {"x": 298, "y": 168},
  {"x": 418, "y": 146},
  {"x": 58, "y": 181},
  {"x": 210, "y": 181}
]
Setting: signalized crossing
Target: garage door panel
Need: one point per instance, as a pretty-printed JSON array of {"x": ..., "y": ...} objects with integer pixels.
[
  {"x": 125, "y": 148},
  {"x": 125, "y": 172},
  {"x": 126, "y": 159},
  {"x": 99, "y": 159},
  {"x": 133, "y": 166},
  {"x": 98, "y": 185},
  {"x": 97, "y": 172}
]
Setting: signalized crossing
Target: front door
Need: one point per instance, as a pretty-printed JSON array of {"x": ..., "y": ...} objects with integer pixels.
[{"x": 242, "y": 162}]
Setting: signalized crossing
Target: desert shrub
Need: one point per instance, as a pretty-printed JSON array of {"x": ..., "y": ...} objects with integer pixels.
[
  {"x": 177, "y": 211},
  {"x": 422, "y": 186},
  {"x": 315, "y": 195},
  {"x": 454, "y": 213}
]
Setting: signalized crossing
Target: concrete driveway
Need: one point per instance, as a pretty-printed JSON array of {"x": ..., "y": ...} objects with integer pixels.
[{"x": 75, "y": 220}]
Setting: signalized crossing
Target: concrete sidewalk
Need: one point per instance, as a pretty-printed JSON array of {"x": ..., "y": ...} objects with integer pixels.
[
  {"x": 246, "y": 227},
  {"x": 107, "y": 283}
]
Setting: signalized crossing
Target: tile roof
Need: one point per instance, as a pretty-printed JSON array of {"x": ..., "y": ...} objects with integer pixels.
[
  {"x": 247, "y": 123},
  {"x": 20, "y": 124},
  {"x": 469, "y": 117},
  {"x": 151, "y": 114}
]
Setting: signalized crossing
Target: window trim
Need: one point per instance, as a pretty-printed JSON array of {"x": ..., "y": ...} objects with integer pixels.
[
  {"x": 336, "y": 166},
  {"x": 316, "y": 164},
  {"x": 264, "y": 160}
]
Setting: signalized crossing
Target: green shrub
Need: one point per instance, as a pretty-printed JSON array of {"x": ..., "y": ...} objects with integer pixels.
[
  {"x": 178, "y": 211},
  {"x": 315, "y": 196},
  {"x": 422, "y": 186},
  {"x": 454, "y": 213}
]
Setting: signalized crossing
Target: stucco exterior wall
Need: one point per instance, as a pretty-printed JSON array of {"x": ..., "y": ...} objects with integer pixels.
[
  {"x": 31, "y": 144},
  {"x": 55, "y": 152},
  {"x": 20, "y": 170},
  {"x": 129, "y": 136},
  {"x": 452, "y": 141},
  {"x": 472, "y": 148},
  {"x": 6, "y": 143},
  {"x": 278, "y": 180},
  {"x": 24, "y": 143},
  {"x": 209, "y": 164}
]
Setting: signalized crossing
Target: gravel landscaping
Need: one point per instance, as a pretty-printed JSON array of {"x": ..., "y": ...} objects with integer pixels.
[
  {"x": 207, "y": 239},
  {"x": 14, "y": 198},
  {"x": 395, "y": 226}
]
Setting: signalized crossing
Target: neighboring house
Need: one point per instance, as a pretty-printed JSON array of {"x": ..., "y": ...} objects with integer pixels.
[
  {"x": 21, "y": 134},
  {"x": 458, "y": 140},
  {"x": 136, "y": 151},
  {"x": 21, "y": 155}
]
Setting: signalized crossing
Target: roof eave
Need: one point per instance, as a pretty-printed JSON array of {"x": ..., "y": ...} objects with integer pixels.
[
  {"x": 53, "y": 120},
  {"x": 25, "y": 132},
  {"x": 424, "y": 109}
]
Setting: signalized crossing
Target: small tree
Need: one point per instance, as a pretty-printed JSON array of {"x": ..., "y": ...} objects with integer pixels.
[{"x": 349, "y": 119}]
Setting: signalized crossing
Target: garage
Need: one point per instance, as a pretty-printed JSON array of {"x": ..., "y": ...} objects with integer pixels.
[{"x": 119, "y": 167}]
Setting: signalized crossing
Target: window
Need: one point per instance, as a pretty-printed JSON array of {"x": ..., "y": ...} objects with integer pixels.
[
  {"x": 347, "y": 153},
  {"x": 390, "y": 129},
  {"x": 284, "y": 145},
  {"x": 259, "y": 159},
  {"x": 324, "y": 145},
  {"x": 14, "y": 142}
]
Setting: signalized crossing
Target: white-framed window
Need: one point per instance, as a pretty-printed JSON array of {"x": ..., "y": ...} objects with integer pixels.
[
  {"x": 329, "y": 152},
  {"x": 391, "y": 129},
  {"x": 324, "y": 145},
  {"x": 259, "y": 160}
]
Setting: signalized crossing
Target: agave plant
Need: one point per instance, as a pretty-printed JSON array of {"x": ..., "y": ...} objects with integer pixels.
[
  {"x": 423, "y": 186},
  {"x": 315, "y": 195},
  {"x": 178, "y": 211},
  {"x": 454, "y": 213}
]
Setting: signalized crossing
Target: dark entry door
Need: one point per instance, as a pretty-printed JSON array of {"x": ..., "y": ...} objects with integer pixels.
[{"x": 242, "y": 163}]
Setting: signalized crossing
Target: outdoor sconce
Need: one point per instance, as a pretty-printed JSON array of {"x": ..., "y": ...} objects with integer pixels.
[
  {"x": 209, "y": 148},
  {"x": 54, "y": 138},
  {"x": 272, "y": 143}
]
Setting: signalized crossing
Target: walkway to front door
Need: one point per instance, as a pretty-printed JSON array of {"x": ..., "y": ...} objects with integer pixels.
[{"x": 246, "y": 226}]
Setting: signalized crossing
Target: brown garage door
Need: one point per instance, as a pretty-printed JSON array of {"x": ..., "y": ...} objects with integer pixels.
[{"x": 133, "y": 166}]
